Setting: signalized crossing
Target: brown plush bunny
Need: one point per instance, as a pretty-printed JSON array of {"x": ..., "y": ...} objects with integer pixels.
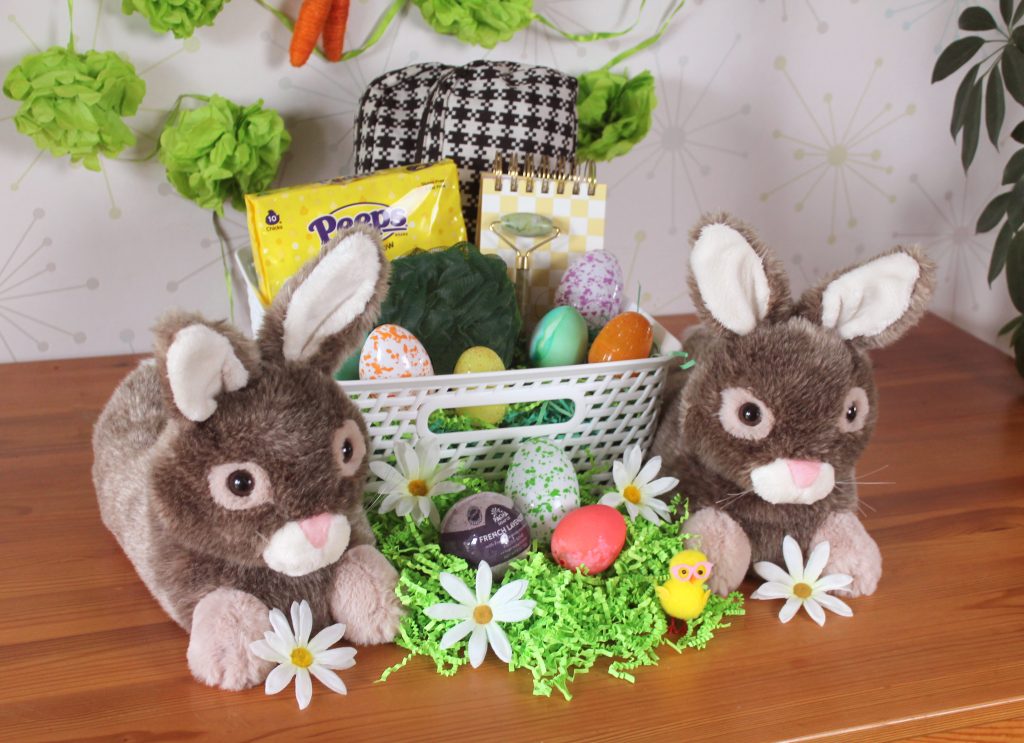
[
  {"x": 767, "y": 427},
  {"x": 231, "y": 471}
]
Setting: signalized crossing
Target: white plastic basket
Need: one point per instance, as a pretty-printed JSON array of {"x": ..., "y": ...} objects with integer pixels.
[{"x": 616, "y": 405}]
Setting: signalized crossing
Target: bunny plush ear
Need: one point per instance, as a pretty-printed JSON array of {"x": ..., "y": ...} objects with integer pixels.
[
  {"x": 324, "y": 311},
  {"x": 199, "y": 361},
  {"x": 735, "y": 281},
  {"x": 874, "y": 303}
]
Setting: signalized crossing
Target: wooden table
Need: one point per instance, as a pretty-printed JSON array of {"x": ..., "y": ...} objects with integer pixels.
[{"x": 87, "y": 653}]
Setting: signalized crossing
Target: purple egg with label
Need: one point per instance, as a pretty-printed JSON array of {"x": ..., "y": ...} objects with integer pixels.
[
  {"x": 594, "y": 286},
  {"x": 485, "y": 526}
]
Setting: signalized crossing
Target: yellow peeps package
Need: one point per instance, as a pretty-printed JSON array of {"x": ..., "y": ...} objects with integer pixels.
[{"x": 416, "y": 206}]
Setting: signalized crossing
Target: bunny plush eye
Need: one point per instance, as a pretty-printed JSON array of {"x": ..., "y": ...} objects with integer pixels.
[
  {"x": 854, "y": 413},
  {"x": 744, "y": 416},
  {"x": 238, "y": 486},
  {"x": 349, "y": 448}
]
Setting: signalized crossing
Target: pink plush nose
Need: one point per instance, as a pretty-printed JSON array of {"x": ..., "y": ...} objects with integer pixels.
[
  {"x": 803, "y": 472},
  {"x": 315, "y": 528}
]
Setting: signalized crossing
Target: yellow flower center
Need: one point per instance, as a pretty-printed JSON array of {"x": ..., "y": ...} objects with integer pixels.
[
  {"x": 302, "y": 658},
  {"x": 482, "y": 614},
  {"x": 418, "y": 487},
  {"x": 802, "y": 590},
  {"x": 631, "y": 493}
]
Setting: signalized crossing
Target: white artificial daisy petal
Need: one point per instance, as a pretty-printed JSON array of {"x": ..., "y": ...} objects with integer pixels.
[
  {"x": 429, "y": 454},
  {"x": 816, "y": 562},
  {"x": 634, "y": 459},
  {"x": 832, "y": 582},
  {"x": 647, "y": 473},
  {"x": 659, "y": 505},
  {"x": 337, "y": 658},
  {"x": 326, "y": 637},
  {"x": 457, "y": 589},
  {"x": 512, "y": 591},
  {"x": 303, "y": 688},
  {"x": 834, "y": 604},
  {"x": 789, "y": 609},
  {"x": 408, "y": 462},
  {"x": 772, "y": 572},
  {"x": 279, "y": 644},
  {"x": 499, "y": 642},
  {"x": 483, "y": 582},
  {"x": 422, "y": 508},
  {"x": 661, "y": 486},
  {"x": 619, "y": 475},
  {"x": 611, "y": 499},
  {"x": 815, "y": 611},
  {"x": 387, "y": 473},
  {"x": 280, "y": 624},
  {"x": 304, "y": 626},
  {"x": 477, "y": 646},
  {"x": 391, "y": 500},
  {"x": 444, "y": 471},
  {"x": 631, "y": 509},
  {"x": 448, "y": 611},
  {"x": 514, "y": 611},
  {"x": 279, "y": 678},
  {"x": 434, "y": 515},
  {"x": 328, "y": 678},
  {"x": 457, "y": 633},
  {"x": 405, "y": 506},
  {"x": 446, "y": 487},
  {"x": 648, "y": 513},
  {"x": 265, "y": 651},
  {"x": 793, "y": 557},
  {"x": 772, "y": 590}
]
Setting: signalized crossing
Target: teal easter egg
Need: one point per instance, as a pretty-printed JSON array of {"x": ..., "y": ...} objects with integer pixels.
[
  {"x": 542, "y": 484},
  {"x": 560, "y": 338}
]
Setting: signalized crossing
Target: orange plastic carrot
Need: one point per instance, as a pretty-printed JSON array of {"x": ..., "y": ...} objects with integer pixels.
[
  {"x": 334, "y": 31},
  {"x": 312, "y": 17}
]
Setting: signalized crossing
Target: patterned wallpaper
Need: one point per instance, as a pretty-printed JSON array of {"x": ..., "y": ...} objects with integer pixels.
[{"x": 813, "y": 120}]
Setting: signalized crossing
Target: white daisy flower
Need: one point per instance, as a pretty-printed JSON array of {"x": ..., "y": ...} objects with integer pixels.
[
  {"x": 804, "y": 585},
  {"x": 297, "y": 656},
  {"x": 410, "y": 489},
  {"x": 636, "y": 487},
  {"x": 481, "y": 613}
]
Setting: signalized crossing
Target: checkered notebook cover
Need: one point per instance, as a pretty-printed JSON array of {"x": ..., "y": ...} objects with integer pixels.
[{"x": 576, "y": 205}]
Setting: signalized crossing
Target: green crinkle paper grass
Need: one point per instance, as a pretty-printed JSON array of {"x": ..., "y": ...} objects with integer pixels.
[
  {"x": 73, "y": 104},
  {"x": 180, "y": 17},
  {"x": 615, "y": 113},
  {"x": 579, "y": 619},
  {"x": 221, "y": 151},
  {"x": 483, "y": 22}
]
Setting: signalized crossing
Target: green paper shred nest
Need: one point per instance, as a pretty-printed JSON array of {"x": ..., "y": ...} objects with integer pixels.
[
  {"x": 539, "y": 413},
  {"x": 220, "y": 151},
  {"x": 614, "y": 113},
  {"x": 579, "y": 620},
  {"x": 481, "y": 22},
  {"x": 73, "y": 104},
  {"x": 180, "y": 17}
]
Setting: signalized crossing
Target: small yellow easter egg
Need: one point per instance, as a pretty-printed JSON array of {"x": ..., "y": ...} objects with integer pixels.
[{"x": 480, "y": 359}]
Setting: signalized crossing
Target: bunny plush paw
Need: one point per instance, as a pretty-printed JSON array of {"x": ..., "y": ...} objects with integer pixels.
[
  {"x": 851, "y": 551},
  {"x": 224, "y": 622},
  {"x": 363, "y": 597},
  {"x": 718, "y": 536}
]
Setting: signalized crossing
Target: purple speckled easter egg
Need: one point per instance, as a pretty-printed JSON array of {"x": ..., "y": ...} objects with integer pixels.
[{"x": 594, "y": 286}]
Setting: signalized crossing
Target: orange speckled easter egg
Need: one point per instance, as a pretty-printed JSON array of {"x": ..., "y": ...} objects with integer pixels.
[
  {"x": 626, "y": 336},
  {"x": 591, "y": 537},
  {"x": 392, "y": 352}
]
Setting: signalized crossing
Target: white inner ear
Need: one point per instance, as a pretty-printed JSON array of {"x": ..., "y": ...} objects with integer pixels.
[
  {"x": 201, "y": 364},
  {"x": 867, "y": 300},
  {"x": 731, "y": 278},
  {"x": 332, "y": 296}
]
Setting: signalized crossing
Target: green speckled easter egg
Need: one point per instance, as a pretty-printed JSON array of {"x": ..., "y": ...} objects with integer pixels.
[
  {"x": 542, "y": 483},
  {"x": 560, "y": 338}
]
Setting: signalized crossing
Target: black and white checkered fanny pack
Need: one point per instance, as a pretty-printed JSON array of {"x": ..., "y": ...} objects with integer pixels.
[{"x": 428, "y": 112}]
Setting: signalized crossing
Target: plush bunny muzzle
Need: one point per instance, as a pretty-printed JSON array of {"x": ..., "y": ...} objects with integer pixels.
[{"x": 300, "y": 547}]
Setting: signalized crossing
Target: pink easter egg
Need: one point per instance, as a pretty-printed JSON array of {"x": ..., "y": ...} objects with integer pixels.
[{"x": 591, "y": 536}]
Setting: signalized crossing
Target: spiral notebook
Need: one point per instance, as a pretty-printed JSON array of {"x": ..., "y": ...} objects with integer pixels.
[{"x": 564, "y": 191}]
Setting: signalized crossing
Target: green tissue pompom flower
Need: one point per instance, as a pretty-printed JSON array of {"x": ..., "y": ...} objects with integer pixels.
[
  {"x": 481, "y": 22},
  {"x": 614, "y": 113},
  {"x": 180, "y": 17},
  {"x": 220, "y": 151},
  {"x": 73, "y": 104}
]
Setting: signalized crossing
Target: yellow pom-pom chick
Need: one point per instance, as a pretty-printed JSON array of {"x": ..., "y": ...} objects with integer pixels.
[{"x": 684, "y": 595}]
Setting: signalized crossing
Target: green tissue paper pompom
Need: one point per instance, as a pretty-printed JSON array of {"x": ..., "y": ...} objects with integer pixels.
[
  {"x": 614, "y": 113},
  {"x": 73, "y": 104},
  {"x": 481, "y": 22},
  {"x": 221, "y": 151},
  {"x": 452, "y": 300},
  {"x": 180, "y": 17}
]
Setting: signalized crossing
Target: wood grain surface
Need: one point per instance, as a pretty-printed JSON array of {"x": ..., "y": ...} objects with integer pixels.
[{"x": 87, "y": 654}]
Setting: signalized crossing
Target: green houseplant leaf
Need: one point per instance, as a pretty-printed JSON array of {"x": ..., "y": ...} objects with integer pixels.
[
  {"x": 1002, "y": 247},
  {"x": 993, "y": 213},
  {"x": 1018, "y": 131},
  {"x": 972, "y": 125},
  {"x": 955, "y": 56},
  {"x": 963, "y": 92},
  {"x": 1013, "y": 71},
  {"x": 1006, "y": 10},
  {"x": 1015, "y": 272},
  {"x": 1014, "y": 168},
  {"x": 995, "y": 106},
  {"x": 976, "y": 18}
]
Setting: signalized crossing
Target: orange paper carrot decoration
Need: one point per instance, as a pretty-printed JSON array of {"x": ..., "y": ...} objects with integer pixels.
[
  {"x": 334, "y": 31},
  {"x": 312, "y": 17}
]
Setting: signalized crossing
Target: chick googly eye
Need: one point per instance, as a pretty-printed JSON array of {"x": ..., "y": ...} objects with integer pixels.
[{"x": 681, "y": 572}]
